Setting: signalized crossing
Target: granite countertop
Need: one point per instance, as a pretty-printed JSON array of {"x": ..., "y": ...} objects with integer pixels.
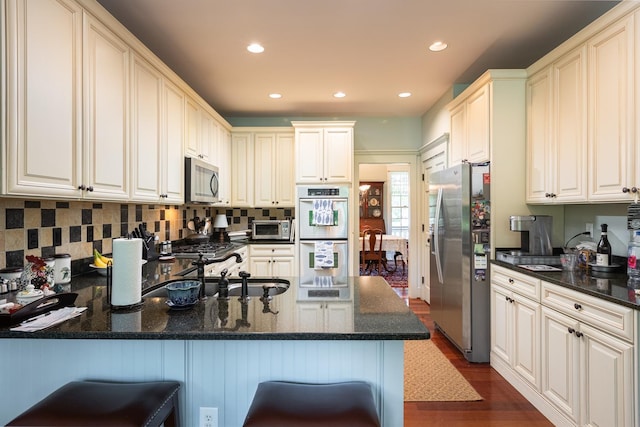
[
  {"x": 366, "y": 309},
  {"x": 610, "y": 287}
]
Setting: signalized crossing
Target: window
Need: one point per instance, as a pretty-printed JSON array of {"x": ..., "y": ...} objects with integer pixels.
[{"x": 399, "y": 203}]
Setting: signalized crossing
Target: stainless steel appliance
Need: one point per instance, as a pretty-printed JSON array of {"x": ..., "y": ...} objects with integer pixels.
[
  {"x": 460, "y": 248},
  {"x": 535, "y": 233},
  {"x": 271, "y": 229},
  {"x": 323, "y": 221},
  {"x": 201, "y": 182}
]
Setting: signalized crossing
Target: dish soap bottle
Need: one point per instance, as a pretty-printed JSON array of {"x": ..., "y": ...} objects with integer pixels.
[{"x": 603, "y": 250}]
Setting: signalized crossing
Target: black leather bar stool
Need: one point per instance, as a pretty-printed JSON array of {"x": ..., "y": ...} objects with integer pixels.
[
  {"x": 100, "y": 403},
  {"x": 288, "y": 404}
]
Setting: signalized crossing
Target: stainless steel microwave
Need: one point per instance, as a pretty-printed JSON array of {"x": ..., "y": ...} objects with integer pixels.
[
  {"x": 271, "y": 229},
  {"x": 201, "y": 182}
]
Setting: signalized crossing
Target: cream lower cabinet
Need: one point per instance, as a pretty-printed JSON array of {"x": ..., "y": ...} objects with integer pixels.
[
  {"x": 515, "y": 324},
  {"x": 272, "y": 260},
  {"x": 588, "y": 358},
  {"x": 326, "y": 316}
]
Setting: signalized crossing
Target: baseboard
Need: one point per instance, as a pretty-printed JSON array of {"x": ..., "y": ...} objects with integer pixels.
[{"x": 531, "y": 394}]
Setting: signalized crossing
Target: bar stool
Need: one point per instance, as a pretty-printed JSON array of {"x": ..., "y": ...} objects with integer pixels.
[
  {"x": 101, "y": 403},
  {"x": 289, "y": 404}
]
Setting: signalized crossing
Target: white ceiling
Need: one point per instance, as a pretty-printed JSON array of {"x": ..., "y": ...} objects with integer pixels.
[{"x": 369, "y": 49}]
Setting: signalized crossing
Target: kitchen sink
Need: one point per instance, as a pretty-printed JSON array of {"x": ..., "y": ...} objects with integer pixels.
[{"x": 257, "y": 287}]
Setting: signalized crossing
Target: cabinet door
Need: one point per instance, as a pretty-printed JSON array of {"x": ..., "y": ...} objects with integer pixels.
[
  {"x": 607, "y": 384},
  {"x": 264, "y": 160},
  {"x": 338, "y": 158},
  {"x": 208, "y": 137},
  {"x": 526, "y": 339},
  {"x": 560, "y": 362},
  {"x": 569, "y": 124},
  {"x": 284, "y": 182},
  {"x": 501, "y": 324},
  {"x": 611, "y": 80},
  {"x": 242, "y": 170},
  {"x": 478, "y": 137},
  {"x": 339, "y": 317},
  {"x": 540, "y": 159},
  {"x": 224, "y": 165},
  {"x": 44, "y": 104},
  {"x": 146, "y": 86},
  {"x": 309, "y": 155},
  {"x": 282, "y": 267},
  {"x": 106, "y": 97},
  {"x": 192, "y": 137},
  {"x": 260, "y": 266},
  {"x": 310, "y": 317},
  {"x": 458, "y": 139},
  {"x": 172, "y": 140}
]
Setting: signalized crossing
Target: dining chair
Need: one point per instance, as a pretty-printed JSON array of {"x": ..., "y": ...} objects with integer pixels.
[{"x": 372, "y": 252}]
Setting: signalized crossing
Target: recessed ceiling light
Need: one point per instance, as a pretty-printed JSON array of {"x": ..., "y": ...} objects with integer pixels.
[
  {"x": 275, "y": 95},
  {"x": 255, "y": 48},
  {"x": 404, "y": 94},
  {"x": 339, "y": 95},
  {"x": 437, "y": 46}
]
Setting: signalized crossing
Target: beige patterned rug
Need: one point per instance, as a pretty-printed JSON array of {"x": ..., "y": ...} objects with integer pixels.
[{"x": 429, "y": 376}]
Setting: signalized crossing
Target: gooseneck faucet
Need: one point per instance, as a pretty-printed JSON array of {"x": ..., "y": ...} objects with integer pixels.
[{"x": 201, "y": 262}]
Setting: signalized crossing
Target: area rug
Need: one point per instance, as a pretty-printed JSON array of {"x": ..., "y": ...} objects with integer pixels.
[
  {"x": 396, "y": 279},
  {"x": 430, "y": 377}
]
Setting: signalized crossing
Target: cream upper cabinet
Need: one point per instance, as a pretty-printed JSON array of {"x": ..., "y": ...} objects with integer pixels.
[
  {"x": 44, "y": 98},
  {"x": 146, "y": 89},
  {"x": 192, "y": 131},
  {"x": 580, "y": 116},
  {"x": 106, "y": 119},
  {"x": 470, "y": 120},
  {"x": 556, "y": 131},
  {"x": 242, "y": 169},
  {"x": 611, "y": 125},
  {"x": 222, "y": 159},
  {"x": 273, "y": 165},
  {"x": 173, "y": 133},
  {"x": 324, "y": 152}
]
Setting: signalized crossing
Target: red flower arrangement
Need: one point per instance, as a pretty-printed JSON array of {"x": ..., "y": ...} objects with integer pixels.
[{"x": 41, "y": 273}]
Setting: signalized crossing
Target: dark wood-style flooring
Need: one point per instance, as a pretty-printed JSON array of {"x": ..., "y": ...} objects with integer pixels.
[{"x": 502, "y": 406}]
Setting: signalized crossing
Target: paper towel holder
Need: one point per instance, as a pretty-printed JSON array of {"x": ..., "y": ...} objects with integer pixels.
[{"x": 132, "y": 307}]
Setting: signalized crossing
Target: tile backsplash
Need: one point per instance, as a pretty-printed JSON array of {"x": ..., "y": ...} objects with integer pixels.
[{"x": 48, "y": 227}]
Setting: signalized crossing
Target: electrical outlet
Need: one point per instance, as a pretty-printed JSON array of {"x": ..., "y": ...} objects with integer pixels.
[
  {"x": 589, "y": 228},
  {"x": 208, "y": 417}
]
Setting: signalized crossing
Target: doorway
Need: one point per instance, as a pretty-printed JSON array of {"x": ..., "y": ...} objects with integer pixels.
[{"x": 399, "y": 207}]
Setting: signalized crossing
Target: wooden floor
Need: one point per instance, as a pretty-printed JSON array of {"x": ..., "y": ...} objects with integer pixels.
[{"x": 502, "y": 405}]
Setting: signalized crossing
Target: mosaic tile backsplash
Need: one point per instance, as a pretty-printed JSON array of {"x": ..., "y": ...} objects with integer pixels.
[{"x": 47, "y": 227}]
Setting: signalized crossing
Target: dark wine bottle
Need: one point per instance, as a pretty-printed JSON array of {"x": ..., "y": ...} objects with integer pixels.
[{"x": 603, "y": 251}]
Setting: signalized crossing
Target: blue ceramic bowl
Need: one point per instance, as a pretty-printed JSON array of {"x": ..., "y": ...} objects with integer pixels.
[{"x": 183, "y": 292}]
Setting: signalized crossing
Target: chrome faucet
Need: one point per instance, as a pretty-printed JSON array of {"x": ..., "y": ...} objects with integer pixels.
[{"x": 201, "y": 262}]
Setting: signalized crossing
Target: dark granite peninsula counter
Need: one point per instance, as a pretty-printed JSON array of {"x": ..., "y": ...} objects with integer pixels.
[{"x": 219, "y": 348}]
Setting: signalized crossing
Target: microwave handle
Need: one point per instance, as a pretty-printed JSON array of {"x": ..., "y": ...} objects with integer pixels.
[{"x": 213, "y": 184}]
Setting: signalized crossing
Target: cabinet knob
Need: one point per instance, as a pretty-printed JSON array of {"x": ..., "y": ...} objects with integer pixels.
[
  {"x": 629, "y": 190},
  {"x": 89, "y": 188},
  {"x": 579, "y": 334},
  {"x": 577, "y": 306},
  {"x": 511, "y": 281},
  {"x": 81, "y": 187},
  {"x": 571, "y": 330}
]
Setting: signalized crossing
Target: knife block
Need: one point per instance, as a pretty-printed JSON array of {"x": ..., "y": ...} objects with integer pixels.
[{"x": 150, "y": 254}]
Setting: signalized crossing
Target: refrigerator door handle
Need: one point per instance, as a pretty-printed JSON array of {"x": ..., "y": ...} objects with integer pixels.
[{"x": 435, "y": 241}]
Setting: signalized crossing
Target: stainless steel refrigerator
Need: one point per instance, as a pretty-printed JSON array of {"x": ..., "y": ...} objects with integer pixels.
[{"x": 460, "y": 223}]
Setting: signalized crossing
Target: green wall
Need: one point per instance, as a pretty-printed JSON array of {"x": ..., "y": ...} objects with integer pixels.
[{"x": 370, "y": 133}]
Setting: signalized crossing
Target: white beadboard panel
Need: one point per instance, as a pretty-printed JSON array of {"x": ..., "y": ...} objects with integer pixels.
[
  {"x": 222, "y": 374},
  {"x": 225, "y": 374}
]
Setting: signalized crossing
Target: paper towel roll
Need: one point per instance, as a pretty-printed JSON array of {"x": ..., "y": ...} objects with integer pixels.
[{"x": 126, "y": 285}]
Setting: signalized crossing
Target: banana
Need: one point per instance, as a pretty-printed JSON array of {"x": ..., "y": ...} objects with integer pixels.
[
  {"x": 103, "y": 259},
  {"x": 98, "y": 263}
]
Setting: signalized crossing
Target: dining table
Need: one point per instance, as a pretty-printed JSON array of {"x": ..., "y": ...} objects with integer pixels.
[{"x": 392, "y": 245}]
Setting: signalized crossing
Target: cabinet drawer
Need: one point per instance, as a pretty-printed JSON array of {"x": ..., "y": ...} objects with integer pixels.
[
  {"x": 272, "y": 250},
  {"x": 517, "y": 282},
  {"x": 604, "y": 315}
]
